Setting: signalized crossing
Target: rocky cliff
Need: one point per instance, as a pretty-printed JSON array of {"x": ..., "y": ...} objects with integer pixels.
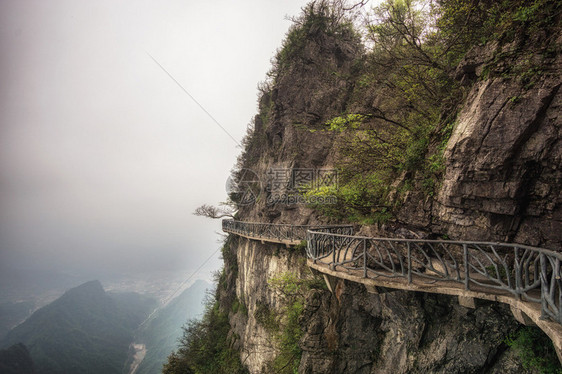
[{"x": 499, "y": 180}]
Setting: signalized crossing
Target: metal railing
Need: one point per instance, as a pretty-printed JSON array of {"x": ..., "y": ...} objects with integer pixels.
[
  {"x": 527, "y": 273},
  {"x": 279, "y": 232}
]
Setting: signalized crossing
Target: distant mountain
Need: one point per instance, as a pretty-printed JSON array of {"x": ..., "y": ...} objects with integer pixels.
[
  {"x": 16, "y": 360},
  {"x": 34, "y": 283},
  {"x": 161, "y": 333},
  {"x": 13, "y": 313},
  {"x": 86, "y": 330},
  {"x": 133, "y": 307}
]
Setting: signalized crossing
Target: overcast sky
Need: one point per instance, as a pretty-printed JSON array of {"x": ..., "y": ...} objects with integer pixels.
[{"x": 103, "y": 158}]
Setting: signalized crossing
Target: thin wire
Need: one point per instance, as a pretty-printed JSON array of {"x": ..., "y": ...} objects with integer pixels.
[
  {"x": 169, "y": 298},
  {"x": 194, "y": 100}
]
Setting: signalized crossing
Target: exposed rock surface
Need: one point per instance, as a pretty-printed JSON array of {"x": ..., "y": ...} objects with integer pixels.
[
  {"x": 502, "y": 183},
  {"x": 504, "y": 164},
  {"x": 257, "y": 264},
  {"x": 354, "y": 331},
  {"x": 401, "y": 332}
]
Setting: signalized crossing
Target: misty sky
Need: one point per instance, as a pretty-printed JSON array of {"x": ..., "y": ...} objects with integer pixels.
[{"x": 103, "y": 158}]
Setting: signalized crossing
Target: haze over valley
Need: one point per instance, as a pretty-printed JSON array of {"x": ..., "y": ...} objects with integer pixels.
[{"x": 104, "y": 157}]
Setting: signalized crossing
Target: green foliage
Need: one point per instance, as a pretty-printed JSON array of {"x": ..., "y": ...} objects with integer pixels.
[
  {"x": 361, "y": 199},
  {"x": 301, "y": 247},
  {"x": 436, "y": 161},
  {"x": 500, "y": 273},
  {"x": 86, "y": 330},
  {"x": 266, "y": 317},
  {"x": 230, "y": 262},
  {"x": 287, "y": 327},
  {"x": 416, "y": 150},
  {"x": 206, "y": 346},
  {"x": 522, "y": 16},
  {"x": 471, "y": 22},
  {"x": 239, "y": 306},
  {"x": 535, "y": 350},
  {"x": 345, "y": 122},
  {"x": 160, "y": 334},
  {"x": 290, "y": 352},
  {"x": 317, "y": 18},
  {"x": 291, "y": 287},
  {"x": 417, "y": 46},
  {"x": 408, "y": 68}
]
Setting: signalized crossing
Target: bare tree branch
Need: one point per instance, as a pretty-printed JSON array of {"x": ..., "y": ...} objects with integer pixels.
[
  {"x": 359, "y": 4},
  {"x": 214, "y": 212}
]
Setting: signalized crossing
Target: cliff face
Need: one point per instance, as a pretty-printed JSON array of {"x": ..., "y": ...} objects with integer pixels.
[
  {"x": 353, "y": 331},
  {"x": 504, "y": 157},
  {"x": 503, "y": 160},
  {"x": 501, "y": 183},
  {"x": 401, "y": 332},
  {"x": 257, "y": 265}
]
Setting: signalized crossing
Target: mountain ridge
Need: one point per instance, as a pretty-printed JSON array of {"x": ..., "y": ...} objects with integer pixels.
[
  {"x": 85, "y": 330},
  {"x": 161, "y": 333}
]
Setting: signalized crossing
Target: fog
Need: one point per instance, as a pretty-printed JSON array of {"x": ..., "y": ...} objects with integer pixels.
[{"x": 103, "y": 157}]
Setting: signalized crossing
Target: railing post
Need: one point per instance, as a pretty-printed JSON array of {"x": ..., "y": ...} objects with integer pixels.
[
  {"x": 308, "y": 249},
  {"x": 518, "y": 280},
  {"x": 338, "y": 238},
  {"x": 364, "y": 258},
  {"x": 466, "y": 267},
  {"x": 333, "y": 252},
  {"x": 558, "y": 277},
  {"x": 314, "y": 245},
  {"x": 409, "y": 263},
  {"x": 559, "y": 283},
  {"x": 544, "y": 287}
]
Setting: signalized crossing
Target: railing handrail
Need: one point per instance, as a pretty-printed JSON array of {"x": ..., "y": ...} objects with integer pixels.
[
  {"x": 519, "y": 272},
  {"x": 278, "y": 232},
  {"x": 313, "y": 229},
  {"x": 546, "y": 251},
  {"x": 319, "y": 226}
]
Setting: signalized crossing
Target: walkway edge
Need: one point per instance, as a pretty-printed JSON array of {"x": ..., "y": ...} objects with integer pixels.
[{"x": 532, "y": 310}]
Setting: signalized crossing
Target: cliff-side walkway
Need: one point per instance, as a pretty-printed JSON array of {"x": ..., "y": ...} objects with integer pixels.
[{"x": 527, "y": 278}]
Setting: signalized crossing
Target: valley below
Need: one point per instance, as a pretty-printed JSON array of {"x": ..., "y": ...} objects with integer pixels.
[{"x": 131, "y": 325}]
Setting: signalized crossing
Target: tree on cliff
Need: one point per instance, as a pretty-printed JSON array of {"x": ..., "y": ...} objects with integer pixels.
[
  {"x": 398, "y": 120},
  {"x": 214, "y": 212},
  {"x": 206, "y": 345},
  {"x": 391, "y": 114}
]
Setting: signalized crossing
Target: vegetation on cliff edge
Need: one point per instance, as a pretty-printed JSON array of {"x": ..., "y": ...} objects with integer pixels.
[
  {"x": 403, "y": 93},
  {"x": 392, "y": 87},
  {"x": 207, "y": 346}
]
